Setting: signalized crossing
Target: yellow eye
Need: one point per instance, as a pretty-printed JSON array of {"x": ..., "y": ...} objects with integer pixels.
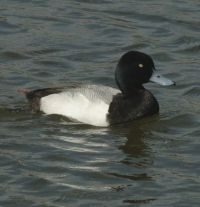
[{"x": 140, "y": 65}]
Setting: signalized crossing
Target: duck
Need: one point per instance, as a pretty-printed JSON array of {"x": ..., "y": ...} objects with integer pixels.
[{"x": 101, "y": 105}]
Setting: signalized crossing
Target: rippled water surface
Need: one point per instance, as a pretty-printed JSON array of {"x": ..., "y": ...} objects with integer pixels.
[{"x": 49, "y": 161}]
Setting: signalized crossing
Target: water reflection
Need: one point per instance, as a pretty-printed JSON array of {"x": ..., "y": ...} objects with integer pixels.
[
  {"x": 138, "y": 157},
  {"x": 135, "y": 145},
  {"x": 136, "y": 134}
]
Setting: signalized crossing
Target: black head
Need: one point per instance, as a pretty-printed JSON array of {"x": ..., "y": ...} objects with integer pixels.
[{"x": 133, "y": 69}]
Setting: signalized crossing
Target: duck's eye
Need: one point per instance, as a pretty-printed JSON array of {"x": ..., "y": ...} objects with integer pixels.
[{"x": 140, "y": 65}]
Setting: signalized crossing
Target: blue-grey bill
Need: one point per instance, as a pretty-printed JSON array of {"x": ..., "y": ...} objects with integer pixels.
[{"x": 160, "y": 79}]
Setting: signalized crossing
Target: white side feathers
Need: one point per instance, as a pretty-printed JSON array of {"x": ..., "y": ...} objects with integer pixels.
[{"x": 88, "y": 104}]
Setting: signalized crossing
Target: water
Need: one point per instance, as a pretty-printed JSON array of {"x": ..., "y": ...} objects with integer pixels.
[{"x": 49, "y": 161}]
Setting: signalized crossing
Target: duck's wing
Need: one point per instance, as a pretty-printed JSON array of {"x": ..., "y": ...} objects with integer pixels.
[{"x": 95, "y": 92}]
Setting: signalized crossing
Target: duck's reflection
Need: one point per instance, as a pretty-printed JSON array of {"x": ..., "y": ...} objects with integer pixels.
[
  {"x": 135, "y": 145},
  {"x": 136, "y": 169},
  {"x": 139, "y": 157},
  {"x": 136, "y": 134}
]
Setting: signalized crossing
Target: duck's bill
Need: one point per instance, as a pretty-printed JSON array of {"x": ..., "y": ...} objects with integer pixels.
[{"x": 160, "y": 79}]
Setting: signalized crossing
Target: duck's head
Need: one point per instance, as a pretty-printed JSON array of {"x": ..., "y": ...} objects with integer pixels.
[{"x": 136, "y": 68}]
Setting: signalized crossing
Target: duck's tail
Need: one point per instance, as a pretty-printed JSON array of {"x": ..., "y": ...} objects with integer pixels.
[
  {"x": 24, "y": 91},
  {"x": 34, "y": 96}
]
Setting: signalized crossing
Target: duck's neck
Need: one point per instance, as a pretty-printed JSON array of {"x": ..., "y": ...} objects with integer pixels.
[{"x": 133, "y": 91}]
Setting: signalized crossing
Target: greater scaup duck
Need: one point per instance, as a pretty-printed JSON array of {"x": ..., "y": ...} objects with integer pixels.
[{"x": 100, "y": 105}]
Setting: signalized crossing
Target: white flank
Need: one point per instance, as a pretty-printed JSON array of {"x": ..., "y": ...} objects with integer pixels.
[{"x": 84, "y": 104}]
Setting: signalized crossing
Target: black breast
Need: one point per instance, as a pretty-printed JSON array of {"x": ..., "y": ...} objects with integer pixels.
[{"x": 127, "y": 108}]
